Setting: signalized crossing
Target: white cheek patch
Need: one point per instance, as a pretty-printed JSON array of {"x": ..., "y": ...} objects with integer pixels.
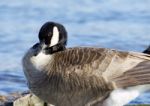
[{"x": 55, "y": 37}]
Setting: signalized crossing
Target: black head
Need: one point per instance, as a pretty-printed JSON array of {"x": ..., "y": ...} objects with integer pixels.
[
  {"x": 52, "y": 33},
  {"x": 52, "y": 37}
]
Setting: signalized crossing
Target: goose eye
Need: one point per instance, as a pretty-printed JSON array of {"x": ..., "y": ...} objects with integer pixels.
[{"x": 50, "y": 34}]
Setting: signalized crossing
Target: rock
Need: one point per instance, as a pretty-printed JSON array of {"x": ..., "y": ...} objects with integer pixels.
[
  {"x": 8, "y": 100},
  {"x": 22, "y": 99},
  {"x": 8, "y": 104},
  {"x": 30, "y": 100},
  {"x": 2, "y": 98}
]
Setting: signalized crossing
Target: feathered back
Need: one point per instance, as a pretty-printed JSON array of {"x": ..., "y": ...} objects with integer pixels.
[{"x": 99, "y": 68}]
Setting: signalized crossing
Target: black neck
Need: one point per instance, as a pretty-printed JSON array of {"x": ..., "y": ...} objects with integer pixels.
[{"x": 56, "y": 48}]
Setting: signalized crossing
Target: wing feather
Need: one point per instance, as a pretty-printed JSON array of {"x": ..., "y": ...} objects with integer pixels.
[
  {"x": 137, "y": 72},
  {"x": 103, "y": 68}
]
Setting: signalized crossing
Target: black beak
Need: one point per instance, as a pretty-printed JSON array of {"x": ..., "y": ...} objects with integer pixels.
[{"x": 37, "y": 48}]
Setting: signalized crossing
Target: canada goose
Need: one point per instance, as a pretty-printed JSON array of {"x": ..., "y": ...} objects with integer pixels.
[
  {"x": 147, "y": 50},
  {"x": 83, "y": 76}
]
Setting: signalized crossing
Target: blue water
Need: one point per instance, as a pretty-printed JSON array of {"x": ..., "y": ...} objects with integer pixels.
[{"x": 119, "y": 24}]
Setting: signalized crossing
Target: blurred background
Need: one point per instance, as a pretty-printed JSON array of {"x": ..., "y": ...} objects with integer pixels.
[{"x": 118, "y": 24}]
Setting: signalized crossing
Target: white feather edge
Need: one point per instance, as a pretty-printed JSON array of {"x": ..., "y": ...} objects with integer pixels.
[{"x": 122, "y": 96}]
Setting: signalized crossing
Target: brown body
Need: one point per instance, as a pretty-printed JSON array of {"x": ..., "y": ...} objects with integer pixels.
[{"x": 85, "y": 76}]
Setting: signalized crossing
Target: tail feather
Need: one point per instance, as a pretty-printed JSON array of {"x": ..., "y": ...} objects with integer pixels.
[{"x": 147, "y": 51}]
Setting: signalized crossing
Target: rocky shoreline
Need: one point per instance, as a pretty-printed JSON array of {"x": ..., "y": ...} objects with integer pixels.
[
  {"x": 11, "y": 98},
  {"x": 22, "y": 99},
  {"x": 26, "y": 99}
]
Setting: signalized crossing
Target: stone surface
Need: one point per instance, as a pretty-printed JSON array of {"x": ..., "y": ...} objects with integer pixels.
[
  {"x": 30, "y": 100},
  {"x": 22, "y": 99},
  {"x": 8, "y": 100}
]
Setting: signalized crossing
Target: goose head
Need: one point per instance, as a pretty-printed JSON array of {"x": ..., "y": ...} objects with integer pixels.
[{"x": 52, "y": 38}]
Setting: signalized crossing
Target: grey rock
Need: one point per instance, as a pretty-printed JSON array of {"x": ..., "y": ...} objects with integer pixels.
[{"x": 23, "y": 99}]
